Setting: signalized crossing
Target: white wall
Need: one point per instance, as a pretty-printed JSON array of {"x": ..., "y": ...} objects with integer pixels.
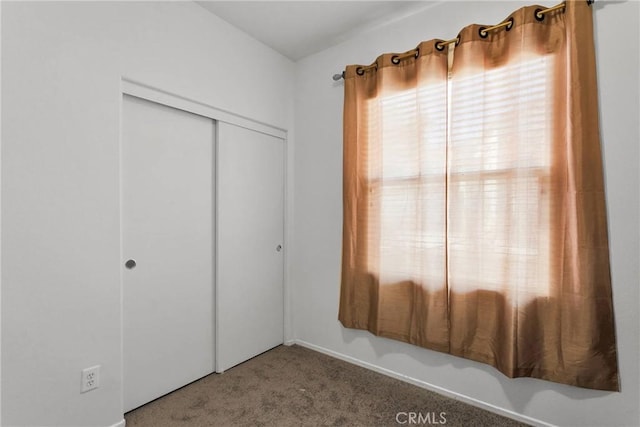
[
  {"x": 61, "y": 70},
  {"x": 0, "y": 216},
  {"x": 318, "y": 219}
]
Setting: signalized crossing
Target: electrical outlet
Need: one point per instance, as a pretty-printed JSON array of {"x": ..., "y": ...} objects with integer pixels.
[{"x": 90, "y": 378}]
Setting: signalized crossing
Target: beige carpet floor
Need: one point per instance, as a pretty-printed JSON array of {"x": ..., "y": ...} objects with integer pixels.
[{"x": 295, "y": 386}]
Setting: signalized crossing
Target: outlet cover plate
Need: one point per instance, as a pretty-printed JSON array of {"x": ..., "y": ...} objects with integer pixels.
[{"x": 90, "y": 378}]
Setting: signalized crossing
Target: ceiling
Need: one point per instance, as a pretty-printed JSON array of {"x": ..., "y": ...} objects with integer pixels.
[{"x": 301, "y": 28}]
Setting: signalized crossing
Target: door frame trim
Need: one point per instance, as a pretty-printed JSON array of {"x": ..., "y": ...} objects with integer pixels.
[{"x": 173, "y": 100}]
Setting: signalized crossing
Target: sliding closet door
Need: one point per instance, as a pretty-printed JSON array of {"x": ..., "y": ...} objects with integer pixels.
[
  {"x": 167, "y": 220},
  {"x": 250, "y": 244}
]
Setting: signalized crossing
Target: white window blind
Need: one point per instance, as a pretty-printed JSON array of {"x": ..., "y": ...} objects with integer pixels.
[{"x": 464, "y": 196}]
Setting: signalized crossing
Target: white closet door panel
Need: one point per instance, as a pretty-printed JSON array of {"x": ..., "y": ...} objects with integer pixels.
[
  {"x": 167, "y": 219},
  {"x": 250, "y": 232}
]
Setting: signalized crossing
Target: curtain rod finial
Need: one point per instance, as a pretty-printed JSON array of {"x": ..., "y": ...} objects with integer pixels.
[{"x": 337, "y": 77}]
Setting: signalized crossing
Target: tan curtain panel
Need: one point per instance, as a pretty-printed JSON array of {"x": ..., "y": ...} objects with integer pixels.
[{"x": 474, "y": 209}]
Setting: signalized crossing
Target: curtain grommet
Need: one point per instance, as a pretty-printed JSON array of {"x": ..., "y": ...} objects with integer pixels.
[
  {"x": 539, "y": 16},
  {"x": 439, "y": 45},
  {"x": 482, "y": 32},
  {"x": 417, "y": 53},
  {"x": 458, "y": 38},
  {"x": 395, "y": 60},
  {"x": 359, "y": 71},
  {"x": 510, "y": 24}
]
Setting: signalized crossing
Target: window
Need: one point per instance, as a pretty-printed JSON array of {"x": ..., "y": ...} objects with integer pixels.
[
  {"x": 408, "y": 180},
  {"x": 475, "y": 190},
  {"x": 499, "y": 169}
]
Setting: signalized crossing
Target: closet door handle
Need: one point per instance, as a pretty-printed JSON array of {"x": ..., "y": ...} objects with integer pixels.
[
  {"x": 130, "y": 264},
  {"x": 278, "y": 248}
]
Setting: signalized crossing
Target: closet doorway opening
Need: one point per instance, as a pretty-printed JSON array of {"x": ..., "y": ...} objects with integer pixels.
[{"x": 202, "y": 220}]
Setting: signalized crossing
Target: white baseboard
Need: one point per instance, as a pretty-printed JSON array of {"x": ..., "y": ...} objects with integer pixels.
[
  {"x": 426, "y": 385},
  {"x": 121, "y": 423}
]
